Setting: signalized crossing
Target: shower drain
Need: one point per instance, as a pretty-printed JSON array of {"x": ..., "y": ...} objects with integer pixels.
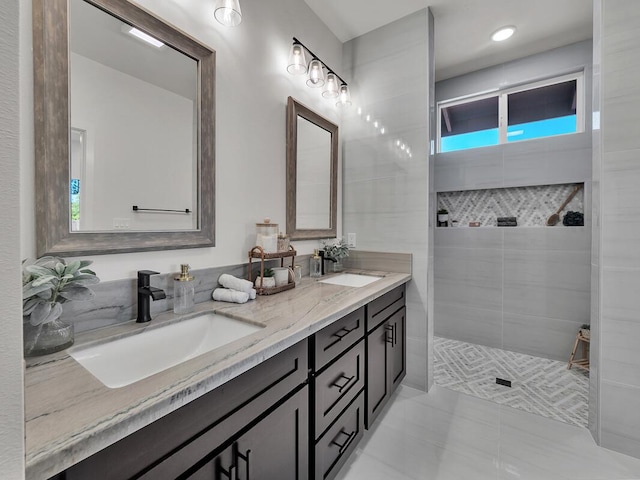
[{"x": 502, "y": 381}]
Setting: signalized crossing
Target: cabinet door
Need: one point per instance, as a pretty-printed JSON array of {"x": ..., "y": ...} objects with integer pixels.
[
  {"x": 377, "y": 367},
  {"x": 277, "y": 447},
  {"x": 398, "y": 347},
  {"x": 386, "y": 361}
]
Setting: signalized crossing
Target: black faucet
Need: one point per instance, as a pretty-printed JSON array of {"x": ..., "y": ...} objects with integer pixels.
[
  {"x": 321, "y": 253},
  {"x": 145, "y": 292}
]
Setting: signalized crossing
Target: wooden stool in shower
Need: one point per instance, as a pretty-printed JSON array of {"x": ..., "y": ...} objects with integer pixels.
[{"x": 584, "y": 361}]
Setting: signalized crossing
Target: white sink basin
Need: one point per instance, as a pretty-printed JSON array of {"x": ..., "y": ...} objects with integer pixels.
[
  {"x": 351, "y": 280},
  {"x": 126, "y": 360}
]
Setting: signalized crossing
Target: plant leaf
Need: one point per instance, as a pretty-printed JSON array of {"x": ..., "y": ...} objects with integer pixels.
[
  {"x": 87, "y": 271},
  {"x": 40, "y": 313},
  {"x": 60, "y": 268},
  {"x": 85, "y": 279},
  {"x": 72, "y": 268},
  {"x": 42, "y": 280},
  {"x": 39, "y": 271},
  {"x": 85, "y": 263},
  {"x": 29, "y": 305},
  {"x": 29, "y": 290},
  {"x": 76, "y": 292}
]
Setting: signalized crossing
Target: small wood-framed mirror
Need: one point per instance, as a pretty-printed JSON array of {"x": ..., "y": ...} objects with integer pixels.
[
  {"x": 95, "y": 41},
  {"x": 312, "y": 173}
]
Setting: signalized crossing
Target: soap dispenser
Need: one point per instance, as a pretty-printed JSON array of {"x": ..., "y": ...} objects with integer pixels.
[
  {"x": 315, "y": 264},
  {"x": 183, "y": 291}
]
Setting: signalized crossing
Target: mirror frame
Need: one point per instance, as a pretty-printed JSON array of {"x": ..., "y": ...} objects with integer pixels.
[
  {"x": 52, "y": 127},
  {"x": 294, "y": 110}
]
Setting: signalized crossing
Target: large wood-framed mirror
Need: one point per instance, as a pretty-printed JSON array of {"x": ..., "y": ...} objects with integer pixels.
[
  {"x": 124, "y": 131},
  {"x": 312, "y": 173}
]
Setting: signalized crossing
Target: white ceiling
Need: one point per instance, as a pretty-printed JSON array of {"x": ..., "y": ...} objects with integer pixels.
[{"x": 463, "y": 27}]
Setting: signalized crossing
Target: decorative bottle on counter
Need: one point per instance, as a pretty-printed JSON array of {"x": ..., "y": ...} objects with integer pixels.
[
  {"x": 183, "y": 291},
  {"x": 315, "y": 264}
]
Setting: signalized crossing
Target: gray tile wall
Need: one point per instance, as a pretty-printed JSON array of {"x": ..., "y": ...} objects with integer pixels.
[
  {"x": 522, "y": 289},
  {"x": 385, "y": 191},
  {"x": 618, "y": 232}
]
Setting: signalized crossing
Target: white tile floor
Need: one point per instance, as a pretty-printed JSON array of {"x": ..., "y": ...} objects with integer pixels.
[{"x": 446, "y": 435}]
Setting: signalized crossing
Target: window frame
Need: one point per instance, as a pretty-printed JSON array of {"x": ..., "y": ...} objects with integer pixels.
[{"x": 503, "y": 110}]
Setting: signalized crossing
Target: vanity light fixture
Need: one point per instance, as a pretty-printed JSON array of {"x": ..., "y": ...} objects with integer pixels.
[
  {"x": 228, "y": 12},
  {"x": 334, "y": 86},
  {"x": 316, "y": 75},
  {"x": 297, "y": 60},
  {"x": 330, "y": 86},
  {"x": 140, "y": 35},
  {"x": 503, "y": 33}
]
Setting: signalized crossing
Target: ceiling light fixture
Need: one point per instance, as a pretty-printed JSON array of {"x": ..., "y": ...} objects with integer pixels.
[
  {"x": 334, "y": 86},
  {"x": 228, "y": 12},
  {"x": 503, "y": 33}
]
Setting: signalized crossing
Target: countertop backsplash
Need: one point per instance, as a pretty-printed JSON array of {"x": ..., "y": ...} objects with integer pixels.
[{"x": 115, "y": 301}]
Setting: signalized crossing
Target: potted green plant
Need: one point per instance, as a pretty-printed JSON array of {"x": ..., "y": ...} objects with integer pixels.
[
  {"x": 266, "y": 280},
  {"x": 336, "y": 252},
  {"x": 47, "y": 283}
]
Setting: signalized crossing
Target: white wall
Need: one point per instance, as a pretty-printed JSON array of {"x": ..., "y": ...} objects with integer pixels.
[
  {"x": 385, "y": 190},
  {"x": 252, "y": 87},
  {"x": 11, "y": 364},
  {"x": 149, "y": 164}
]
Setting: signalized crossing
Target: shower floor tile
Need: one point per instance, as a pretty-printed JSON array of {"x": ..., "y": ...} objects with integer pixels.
[{"x": 538, "y": 385}]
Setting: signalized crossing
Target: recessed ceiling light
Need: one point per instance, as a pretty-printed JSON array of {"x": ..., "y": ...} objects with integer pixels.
[{"x": 503, "y": 33}]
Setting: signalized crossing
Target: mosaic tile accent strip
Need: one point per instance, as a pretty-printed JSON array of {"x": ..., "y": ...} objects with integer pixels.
[
  {"x": 531, "y": 205},
  {"x": 539, "y": 385}
]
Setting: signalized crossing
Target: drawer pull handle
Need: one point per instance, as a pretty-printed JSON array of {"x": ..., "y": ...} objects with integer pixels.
[
  {"x": 390, "y": 339},
  {"x": 230, "y": 474},
  {"x": 343, "y": 446},
  {"x": 344, "y": 385},
  {"x": 343, "y": 332},
  {"x": 245, "y": 457}
]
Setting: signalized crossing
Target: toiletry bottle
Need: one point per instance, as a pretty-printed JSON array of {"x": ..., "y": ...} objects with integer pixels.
[
  {"x": 183, "y": 291},
  {"x": 315, "y": 264}
]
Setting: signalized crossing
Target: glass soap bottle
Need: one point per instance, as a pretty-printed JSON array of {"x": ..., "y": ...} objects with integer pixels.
[
  {"x": 315, "y": 264},
  {"x": 183, "y": 291}
]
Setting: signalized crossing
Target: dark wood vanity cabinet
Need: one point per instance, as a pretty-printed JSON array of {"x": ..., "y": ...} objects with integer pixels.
[
  {"x": 296, "y": 416},
  {"x": 337, "y": 382},
  {"x": 386, "y": 349},
  {"x": 275, "y": 447},
  {"x": 271, "y": 397}
]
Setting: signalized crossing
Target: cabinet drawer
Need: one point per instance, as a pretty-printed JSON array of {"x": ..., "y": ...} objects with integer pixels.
[
  {"x": 382, "y": 307},
  {"x": 338, "y": 385},
  {"x": 335, "y": 446},
  {"x": 331, "y": 341}
]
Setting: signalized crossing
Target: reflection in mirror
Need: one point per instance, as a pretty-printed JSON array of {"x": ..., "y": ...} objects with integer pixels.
[
  {"x": 312, "y": 170},
  {"x": 313, "y": 176},
  {"x": 135, "y": 103},
  {"x": 118, "y": 123}
]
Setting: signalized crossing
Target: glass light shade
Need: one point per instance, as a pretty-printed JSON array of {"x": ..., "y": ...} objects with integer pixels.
[
  {"x": 297, "y": 61},
  {"x": 331, "y": 86},
  {"x": 344, "y": 97},
  {"x": 228, "y": 13},
  {"x": 316, "y": 75}
]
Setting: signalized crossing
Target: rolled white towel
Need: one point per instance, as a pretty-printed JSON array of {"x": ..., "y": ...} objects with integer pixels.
[
  {"x": 252, "y": 294},
  {"x": 235, "y": 283},
  {"x": 227, "y": 295}
]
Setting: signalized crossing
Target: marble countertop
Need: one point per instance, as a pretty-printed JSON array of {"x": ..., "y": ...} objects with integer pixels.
[{"x": 70, "y": 415}]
